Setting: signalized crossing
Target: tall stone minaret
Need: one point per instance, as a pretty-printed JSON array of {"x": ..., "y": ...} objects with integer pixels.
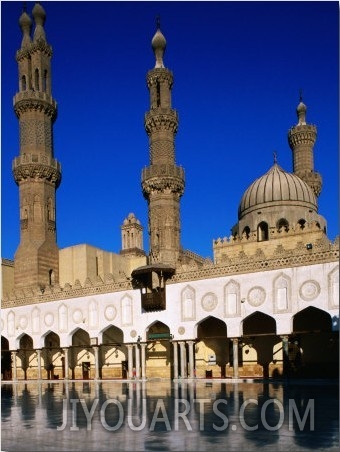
[
  {"x": 301, "y": 140},
  {"x": 163, "y": 180},
  {"x": 36, "y": 172}
]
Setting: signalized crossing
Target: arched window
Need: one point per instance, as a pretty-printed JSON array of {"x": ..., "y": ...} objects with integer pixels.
[
  {"x": 45, "y": 81},
  {"x": 23, "y": 83},
  {"x": 302, "y": 223},
  {"x": 246, "y": 232},
  {"x": 262, "y": 231},
  {"x": 158, "y": 87},
  {"x": 36, "y": 79},
  {"x": 282, "y": 225},
  {"x": 51, "y": 277}
]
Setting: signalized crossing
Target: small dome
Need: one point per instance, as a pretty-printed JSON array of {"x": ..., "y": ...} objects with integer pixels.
[
  {"x": 25, "y": 21},
  {"x": 39, "y": 14},
  {"x": 158, "y": 41},
  {"x": 277, "y": 188},
  {"x": 158, "y": 45}
]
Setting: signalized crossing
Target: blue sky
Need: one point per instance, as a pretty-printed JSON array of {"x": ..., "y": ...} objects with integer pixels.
[{"x": 238, "y": 68}]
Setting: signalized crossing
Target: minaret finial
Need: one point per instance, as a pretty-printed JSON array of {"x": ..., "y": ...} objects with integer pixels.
[
  {"x": 24, "y": 7},
  {"x": 300, "y": 93},
  {"x": 158, "y": 22},
  {"x": 275, "y": 157}
]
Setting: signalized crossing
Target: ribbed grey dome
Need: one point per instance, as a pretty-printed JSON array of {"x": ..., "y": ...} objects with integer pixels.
[{"x": 277, "y": 188}]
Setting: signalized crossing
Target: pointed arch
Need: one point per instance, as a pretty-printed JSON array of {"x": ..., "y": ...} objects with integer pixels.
[
  {"x": 211, "y": 348},
  {"x": 211, "y": 327},
  {"x": 111, "y": 334},
  {"x": 258, "y": 323},
  {"x": 262, "y": 232},
  {"x": 158, "y": 330},
  {"x": 311, "y": 319},
  {"x": 282, "y": 225}
]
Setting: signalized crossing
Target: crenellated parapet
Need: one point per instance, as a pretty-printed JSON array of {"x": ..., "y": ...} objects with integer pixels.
[
  {"x": 323, "y": 251},
  {"x": 290, "y": 241}
]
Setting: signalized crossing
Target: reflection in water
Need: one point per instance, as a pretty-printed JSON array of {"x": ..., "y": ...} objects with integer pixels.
[{"x": 163, "y": 415}]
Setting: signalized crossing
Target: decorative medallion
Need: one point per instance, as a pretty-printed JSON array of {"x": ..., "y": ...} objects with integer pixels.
[
  {"x": 209, "y": 301},
  {"x": 77, "y": 316},
  {"x": 23, "y": 322},
  {"x": 256, "y": 296},
  {"x": 110, "y": 312},
  {"x": 49, "y": 319},
  {"x": 133, "y": 333},
  {"x": 309, "y": 290},
  {"x": 181, "y": 330}
]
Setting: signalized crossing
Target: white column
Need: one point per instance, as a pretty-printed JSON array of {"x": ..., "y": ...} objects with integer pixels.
[
  {"x": 191, "y": 359},
  {"x": 137, "y": 356},
  {"x": 175, "y": 344},
  {"x": 39, "y": 363},
  {"x": 96, "y": 362},
  {"x": 235, "y": 357},
  {"x": 182, "y": 359},
  {"x": 14, "y": 361},
  {"x": 65, "y": 350},
  {"x": 130, "y": 360},
  {"x": 143, "y": 347}
]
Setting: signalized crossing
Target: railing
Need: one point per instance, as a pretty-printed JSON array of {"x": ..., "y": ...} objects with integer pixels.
[
  {"x": 163, "y": 170},
  {"x": 42, "y": 159}
]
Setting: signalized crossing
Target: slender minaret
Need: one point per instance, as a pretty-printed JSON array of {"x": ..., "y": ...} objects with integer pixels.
[
  {"x": 163, "y": 180},
  {"x": 36, "y": 172},
  {"x": 301, "y": 140}
]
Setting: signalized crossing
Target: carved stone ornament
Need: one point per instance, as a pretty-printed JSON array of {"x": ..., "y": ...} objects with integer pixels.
[
  {"x": 256, "y": 296},
  {"x": 309, "y": 290},
  {"x": 181, "y": 330},
  {"x": 49, "y": 319},
  {"x": 23, "y": 322},
  {"x": 77, "y": 316},
  {"x": 110, "y": 312},
  {"x": 209, "y": 302},
  {"x": 133, "y": 333}
]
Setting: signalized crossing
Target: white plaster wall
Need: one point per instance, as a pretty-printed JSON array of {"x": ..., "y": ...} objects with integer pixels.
[{"x": 313, "y": 285}]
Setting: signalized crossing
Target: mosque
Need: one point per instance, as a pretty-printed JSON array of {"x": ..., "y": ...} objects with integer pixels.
[{"x": 265, "y": 306}]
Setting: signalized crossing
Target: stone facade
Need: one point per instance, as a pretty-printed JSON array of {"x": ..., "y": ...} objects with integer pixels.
[{"x": 267, "y": 306}]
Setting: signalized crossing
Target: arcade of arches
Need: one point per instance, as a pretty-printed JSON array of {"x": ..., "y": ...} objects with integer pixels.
[{"x": 259, "y": 352}]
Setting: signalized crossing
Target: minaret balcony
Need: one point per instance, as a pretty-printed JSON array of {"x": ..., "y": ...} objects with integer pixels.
[
  {"x": 158, "y": 119},
  {"x": 163, "y": 170},
  {"x": 36, "y": 166},
  {"x": 34, "y": 95}
]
